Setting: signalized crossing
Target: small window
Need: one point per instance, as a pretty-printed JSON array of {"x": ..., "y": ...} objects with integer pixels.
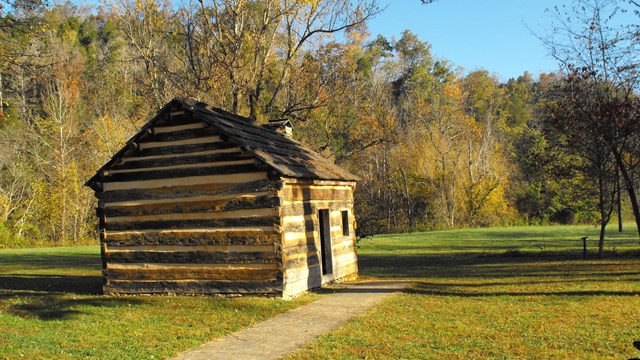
[{"x": 345, "y": 222}]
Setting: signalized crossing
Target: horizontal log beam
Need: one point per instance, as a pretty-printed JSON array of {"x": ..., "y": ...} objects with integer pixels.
[
  {"x": 344, "y": 251},
  {"x": 297, "y": 261},
  {"x": 215, "y": 199},
  {"x": 149, "y": 144},
  {"x": 298, "y": 220},
  {"x": 184, "y": 149},
  {"x": 167, "y": 163},
  {"x": 183, "y": 134},
  {"x": 183, "y": 166},
  {"x": 192, "y": 272},
  {"x": 291, "y": 251},
  {"x": 186, "y": 181},
  {"x": 349, "y": 271},
  {"x": 293, "y": 275},
  {"x": 189, "y": 171},
  {"x": 218, "y": 267},
  {"x": 307, "y": 182},
  {"x": 218, "y": 236},
  {"x": 269, "y": 287},
  {"x": 248, "y": 215},
  {"x": 344, "y": 259},
  {"x": 168, "y": 129},
  {"x": 292, "y": 239},
  {"x": 193, "y": 248},
  {"x": 192, "y": 224},
  {"x": 319, "y": 203},
  {"x": 243, "y": 202},
  {"x": 316, "y": 193},
  {"x": 191, "y": 257},
  {"x": 184, "y": 118},
  {"x": 296, "y": 287},
  {"x": 177, "y": 112},
  {"x": 186, "y": 191},
  {"x": 174, "y": 156}
]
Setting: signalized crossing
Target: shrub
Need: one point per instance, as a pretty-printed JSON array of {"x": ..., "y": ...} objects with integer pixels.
[{"x": 564, "y": 216}]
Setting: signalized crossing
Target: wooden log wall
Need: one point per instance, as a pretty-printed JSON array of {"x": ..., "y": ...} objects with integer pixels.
[
  {"x": 187, "y": 212},
  {"x": 301, "y": 254}
]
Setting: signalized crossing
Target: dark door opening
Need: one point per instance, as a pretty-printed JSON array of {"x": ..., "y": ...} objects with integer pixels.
[{"x": 325, "y": 241}]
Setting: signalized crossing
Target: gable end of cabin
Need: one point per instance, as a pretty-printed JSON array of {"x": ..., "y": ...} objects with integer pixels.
[{"x": 186, "y": 210}]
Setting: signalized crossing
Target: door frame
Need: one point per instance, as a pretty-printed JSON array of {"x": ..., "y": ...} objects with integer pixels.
[{"x": 326, "y": 248}]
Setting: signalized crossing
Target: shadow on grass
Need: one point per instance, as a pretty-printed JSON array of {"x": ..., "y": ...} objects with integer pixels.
[
  {"x": 37, "y": 283},
  {"x": 55, "y": 297},
  {"x": 51, "y": 261},
  {"x": 365, "y": 287},
  {"x": 471, "y": 265},
  {"x": 539, "y": 274},
  {"x": 427, "y": 289},
  {"x": 60, "y": 307}
]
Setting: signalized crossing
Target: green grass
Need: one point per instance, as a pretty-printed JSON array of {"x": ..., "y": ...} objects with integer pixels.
[
  {"x": 473, "y": 298},
  {"x": 501, "y": 293},
  {"x": 50, "y": 308}
]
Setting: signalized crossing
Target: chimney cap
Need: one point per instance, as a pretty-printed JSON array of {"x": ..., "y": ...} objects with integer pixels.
[{"x": 282, "y": 126}]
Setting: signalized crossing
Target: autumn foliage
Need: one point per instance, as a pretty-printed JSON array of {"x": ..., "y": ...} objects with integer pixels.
[{"x": 435, "y": 147}]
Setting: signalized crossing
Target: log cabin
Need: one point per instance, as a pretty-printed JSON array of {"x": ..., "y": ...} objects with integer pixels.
[{"x": 203, "y": 201}]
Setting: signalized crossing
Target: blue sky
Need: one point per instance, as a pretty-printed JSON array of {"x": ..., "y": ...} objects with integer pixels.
[{"x": 495, "y": 35}]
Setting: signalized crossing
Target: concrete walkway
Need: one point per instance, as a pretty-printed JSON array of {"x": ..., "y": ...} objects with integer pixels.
[{"x": 278, "y": 336}]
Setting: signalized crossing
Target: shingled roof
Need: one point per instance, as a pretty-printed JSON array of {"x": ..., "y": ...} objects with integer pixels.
[{"x": 286, "y": 156}]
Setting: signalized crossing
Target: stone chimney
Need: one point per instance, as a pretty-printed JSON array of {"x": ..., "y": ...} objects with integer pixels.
[{"x": 282, "y": 126}]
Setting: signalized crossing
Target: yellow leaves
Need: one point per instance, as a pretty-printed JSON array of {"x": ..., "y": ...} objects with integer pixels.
[
  {"x": 5, "y": 203},
  {"x": 496, "y": 208},
  {"x": 456, "y": 157},
  {"x": 146, "y": 6},
  {"x": 42, "y": 29},
  {"x": 312, "y": 3},
  {"x": 452, "y": 91}
]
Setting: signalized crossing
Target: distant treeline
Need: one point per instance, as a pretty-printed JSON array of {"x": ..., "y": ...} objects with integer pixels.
[{"x": 435, "y": 146}]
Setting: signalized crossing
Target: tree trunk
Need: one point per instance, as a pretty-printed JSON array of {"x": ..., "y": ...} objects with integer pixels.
[
  {"x": 253, "y": 107},
  {"x": 1, "y": 98},
  {"x": 630, "y": 189},
  {"x": 618, "y": 199},
  {"x": 603, "y": 219},
  {"x": 408, "y": 198},
  {"x": 603, "y": 226}
]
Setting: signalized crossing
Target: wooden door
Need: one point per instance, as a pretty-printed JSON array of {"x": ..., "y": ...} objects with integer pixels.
[{"x": 325, "y": 241}]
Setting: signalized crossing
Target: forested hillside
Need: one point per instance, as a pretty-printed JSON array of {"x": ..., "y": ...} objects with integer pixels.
[{"x": 435, "y": 146}]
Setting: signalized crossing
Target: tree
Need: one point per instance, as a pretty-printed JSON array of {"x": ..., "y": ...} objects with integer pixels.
[
  {"x": 584, "y": 119},
  {"x": 144, "y": 24},
  {"x": 486, "y": 168},
  {"x": 16, "y": 191},
  {"x": 591, "y": 47},
  {"x": 256, "y": 46}
]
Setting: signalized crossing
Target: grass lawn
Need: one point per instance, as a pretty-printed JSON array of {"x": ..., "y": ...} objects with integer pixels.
[
  {"x": 505, "y": 293},
  {"x": 50, "y": 308}
]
